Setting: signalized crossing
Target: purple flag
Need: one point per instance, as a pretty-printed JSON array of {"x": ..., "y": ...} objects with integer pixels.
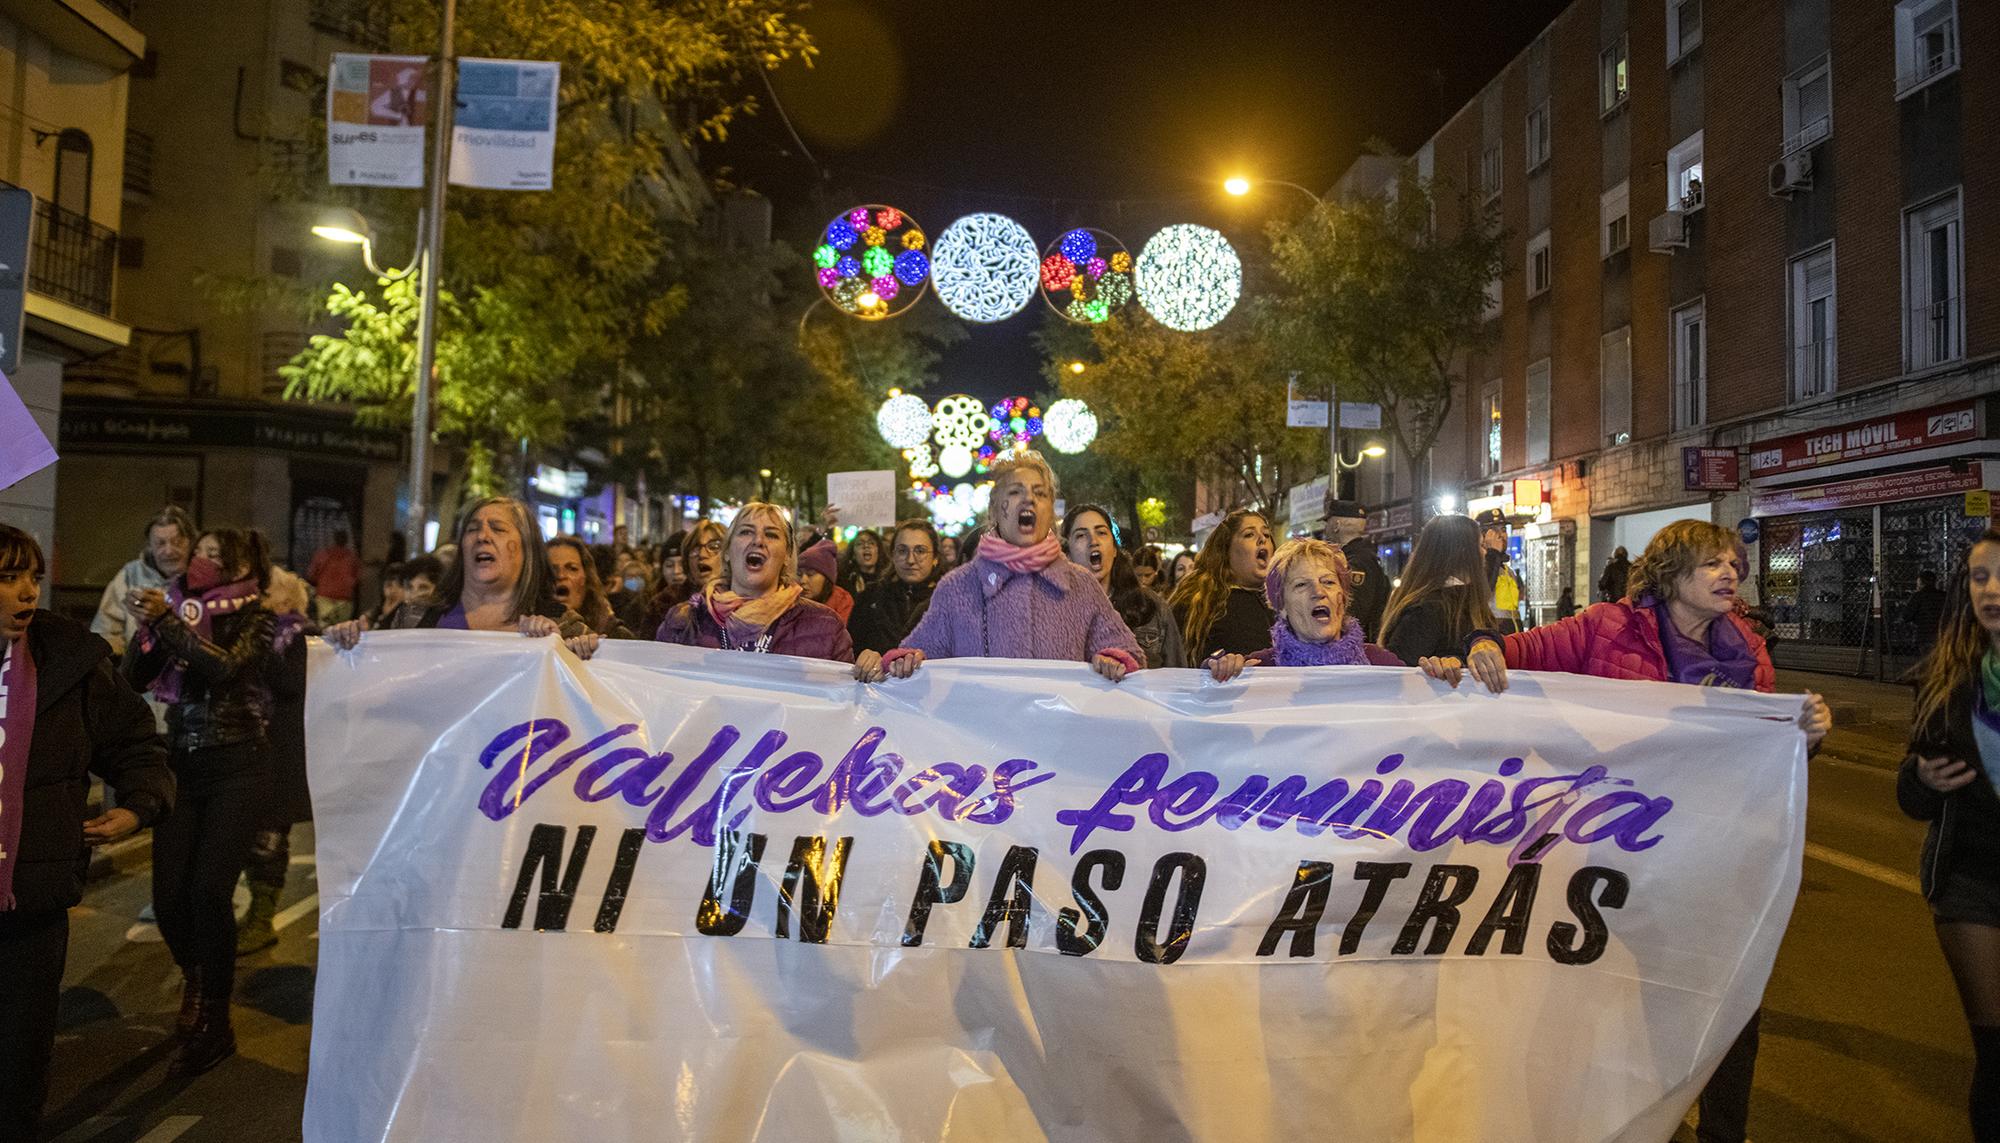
[{"x": 24, "y": 451}]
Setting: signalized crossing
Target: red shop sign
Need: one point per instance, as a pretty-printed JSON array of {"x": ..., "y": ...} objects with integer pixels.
[
  {"x": 1709, "y": 469},
  {"x": 1882, "y": 436},
  {"x": 1892, "y": 488}
]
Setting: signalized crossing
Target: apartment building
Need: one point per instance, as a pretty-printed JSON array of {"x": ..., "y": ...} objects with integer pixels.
[
  {"x": 190, "y": 410},
  {"x": 66, "y": 67},
  {"x": 1754, "y": 248}
]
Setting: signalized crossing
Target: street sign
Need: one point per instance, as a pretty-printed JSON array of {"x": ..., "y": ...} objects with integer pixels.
[
  {"x": 1303, "y": 414},
  {"x": 17, "y": 226},
  {"x": 1709, "y": 470},
  {"x": 1979, "y": 502}
]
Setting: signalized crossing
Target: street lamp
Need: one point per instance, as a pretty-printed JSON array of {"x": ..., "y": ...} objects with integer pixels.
[
  {"x": 1076, "y": 367},
  {"x": 348, "y": 227},
  {"x": 1240, "y": 186}
]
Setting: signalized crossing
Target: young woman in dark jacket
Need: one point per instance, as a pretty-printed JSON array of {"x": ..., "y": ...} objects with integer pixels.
[
  {"x": 1949, "y": 780},
  {"x": 886, "y": 614},
  {"x": 64, "y": 715},
  {"x": 1441, "y": 602},
  {"x": 206, "y": 651}
]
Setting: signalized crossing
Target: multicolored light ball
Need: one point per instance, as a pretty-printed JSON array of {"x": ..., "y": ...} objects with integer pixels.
[
  {"x": 1081, "y": 279},
  {"x": 868, "y": 265}
]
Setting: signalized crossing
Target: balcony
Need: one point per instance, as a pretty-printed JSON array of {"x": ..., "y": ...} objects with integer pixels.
[
  {"x": 1935, "y": 334},
  {"x": 74, "y": 259},
  {"x": 1812, "y": 368}
]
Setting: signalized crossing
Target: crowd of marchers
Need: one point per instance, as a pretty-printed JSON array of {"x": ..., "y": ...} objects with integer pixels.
[{"x": 209, "y": 633}]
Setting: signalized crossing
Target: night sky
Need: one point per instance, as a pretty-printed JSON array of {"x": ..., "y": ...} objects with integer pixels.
[{"x": 1121, "y": 116}]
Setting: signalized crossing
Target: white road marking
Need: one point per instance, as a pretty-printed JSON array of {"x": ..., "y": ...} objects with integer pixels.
[
  {"x": 170, "y": 1128},
  {"x": 309, "y": 904},
  {"x": 1893, "y": 878},
  {"x": 1844, "y": 764},
  {"x": 89, "y": 1129}
]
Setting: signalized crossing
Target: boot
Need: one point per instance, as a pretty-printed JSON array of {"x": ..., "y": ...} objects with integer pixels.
[
  {"x": 190, "y": 1015},
  {"x": 254, "y": 933},
  {"x": 211, "y": 1042}
]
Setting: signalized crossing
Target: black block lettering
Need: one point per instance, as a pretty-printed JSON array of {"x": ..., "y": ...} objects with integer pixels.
[
  {"x": 1305, "y": 901},
  {"x": 931, "y": 889},
  {"x": 1090, "y": 907},
  {"x": 545, "y": 843},
  {"x": 1194, "y": 873}
]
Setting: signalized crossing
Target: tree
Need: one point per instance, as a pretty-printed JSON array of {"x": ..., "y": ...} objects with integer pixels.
[
  {"x": 1181, "y": 406},
  {"x": 1382, "y": 298},
  {"x": 547, "y": 291}
]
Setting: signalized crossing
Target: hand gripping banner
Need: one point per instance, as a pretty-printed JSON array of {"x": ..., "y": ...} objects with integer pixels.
[{"x": 682, "y": 895}]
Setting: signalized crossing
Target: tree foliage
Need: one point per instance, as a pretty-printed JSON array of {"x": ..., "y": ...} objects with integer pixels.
[
  {"x": 1388, "y": 303},
  {"x": 550, "y": 292}
]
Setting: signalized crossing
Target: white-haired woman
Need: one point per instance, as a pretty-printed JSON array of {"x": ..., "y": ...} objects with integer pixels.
[{"x": 1016, "y": 597}]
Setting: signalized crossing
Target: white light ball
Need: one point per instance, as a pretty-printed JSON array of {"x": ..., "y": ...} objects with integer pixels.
[
  {"x": 921, "y": 464},
  {"x": 961, "y": 420},
  {"x": 985, "y": 267},
  {"x": 955, "y": 460},
  {"x": 1189, "y": 277},
  {"x": 1069, "y": 426},
  {"x": 904, "y": 421}
]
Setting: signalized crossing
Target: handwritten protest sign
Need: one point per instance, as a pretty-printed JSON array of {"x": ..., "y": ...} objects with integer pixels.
[
  {"x": 674, "y": 894},
  {"x": 865, "y": 499}
]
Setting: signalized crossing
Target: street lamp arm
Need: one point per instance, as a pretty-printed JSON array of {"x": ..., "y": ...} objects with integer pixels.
[
  {"x": 1302, "y": 190},
  {"x": 409, "y": 268}
]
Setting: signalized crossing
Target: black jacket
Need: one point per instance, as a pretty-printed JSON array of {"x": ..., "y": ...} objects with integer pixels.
[
  {"x": 1372, "y": 594},
  {"x": 225, "y": 695},
  {"x": 1425, "y": 629},
  {"x": 87, "y": 721},
  {"x": 885, "y": 614},
  {"x": 1965, "y": 824}
]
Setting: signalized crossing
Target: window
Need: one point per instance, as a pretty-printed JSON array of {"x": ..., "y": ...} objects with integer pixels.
[
  {"x": 1684, "y": 175},
  {"x": 1540, "y": 271},
  {"x": 1614, "y": 78},
  {"x": 74, "y": 158},
  {"x": 1614, "y": 223},
  {"x": 1489, "y": 173},
  {"x": 1538, "y": 136},
  {"x": 1690, "y": 363},
  {"x": 1683, "y": 28},
  {"x": 1809, "y": 105},
  {"x": 1812, "y": 324},
  {"x": 1492, "y": 402},
  {"x": 1493, "y": 298},
  {"x": 1614, "y": 367},
  {"x": 1933, "y": 283},
  {"x": 1538, "y": 412},
  {"x": 1926, "y": 42}
]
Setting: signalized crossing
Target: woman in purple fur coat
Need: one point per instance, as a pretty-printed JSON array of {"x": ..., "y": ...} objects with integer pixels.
[{"x": 1016, "y": 597}]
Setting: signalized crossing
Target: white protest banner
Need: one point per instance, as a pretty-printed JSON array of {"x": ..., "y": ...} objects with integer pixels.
[
  {"x": 503, "y": 130},
  {"x": 672, "y": 894},
  {"x": 865, "y": 499},
  {"x": 376, "y": 108}
]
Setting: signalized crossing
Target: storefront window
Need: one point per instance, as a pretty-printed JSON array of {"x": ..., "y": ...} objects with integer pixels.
[
  {"x": 1816, "y": 585},
  {"x": 1917, "y": 537}
]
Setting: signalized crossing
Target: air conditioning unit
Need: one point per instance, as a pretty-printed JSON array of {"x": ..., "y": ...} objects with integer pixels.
[
  {"x": 1791, "y": 173},
  {"x": 1667, "y": 233}
]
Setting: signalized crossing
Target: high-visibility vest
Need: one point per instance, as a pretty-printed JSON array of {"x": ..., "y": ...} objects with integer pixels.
[{"x": 1506, "y": 592}]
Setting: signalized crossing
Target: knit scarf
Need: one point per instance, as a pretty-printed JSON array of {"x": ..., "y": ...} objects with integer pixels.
[
  {"x": 198, "y": 611},
  {"x": 1021, "y": 561},
  {"x": 1723, "y": 661},
  {"x": 744, "y": 621},
  {"x": 1293, "y": 651},
  {"x": 17, "y": 730}
]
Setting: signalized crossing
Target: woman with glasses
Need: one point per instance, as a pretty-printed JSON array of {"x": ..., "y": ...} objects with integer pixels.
[{"x": 887, "y": 613}]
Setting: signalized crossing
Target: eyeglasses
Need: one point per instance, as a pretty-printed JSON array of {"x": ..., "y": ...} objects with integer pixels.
[
  {"x": 711, "y": 547},
  {"x": 911, "y": 553}
]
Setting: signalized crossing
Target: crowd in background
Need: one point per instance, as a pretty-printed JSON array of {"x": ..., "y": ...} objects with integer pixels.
[{"x": 211, "y": 633}]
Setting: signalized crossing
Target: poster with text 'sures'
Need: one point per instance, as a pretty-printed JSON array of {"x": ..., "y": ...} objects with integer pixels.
[{"x": 376, "y": 108}]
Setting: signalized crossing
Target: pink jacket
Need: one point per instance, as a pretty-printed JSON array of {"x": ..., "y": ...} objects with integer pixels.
[{"x": 1616, "y": 641}]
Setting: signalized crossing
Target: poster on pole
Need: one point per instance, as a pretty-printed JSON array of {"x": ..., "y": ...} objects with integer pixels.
[
  {"x": 674, "y": 894},
  {"x": 24, "y": 448},
  {"x": 503, "y": 129},
  {"x": 865, "y": 499},
  {"x": 376, "y": 109}
]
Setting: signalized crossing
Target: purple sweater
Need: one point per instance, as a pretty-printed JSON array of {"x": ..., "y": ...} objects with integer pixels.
[
  {"x": 806, "y": 629},
  {"x": 982, "y": 610}
]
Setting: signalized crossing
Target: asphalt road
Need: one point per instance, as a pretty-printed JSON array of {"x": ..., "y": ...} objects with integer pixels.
[{"x": 1862, "y": 1038}]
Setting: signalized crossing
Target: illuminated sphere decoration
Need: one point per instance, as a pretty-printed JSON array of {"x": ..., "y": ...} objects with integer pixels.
[
  {"x": 1069, "y": 426},
  {"x": 962, "y": 421},
  {"x": 955, "y": 460},
  {"x": 985, "y": 267},
  {"x": 904, "y": 421},
  {"x": 1087, "y": 276},
  {"x": 1188, "y": 277},
  {"x": 867, "y": 262}
]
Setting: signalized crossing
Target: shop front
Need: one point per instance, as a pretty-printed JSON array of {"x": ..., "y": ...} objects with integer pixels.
[{"x": 1840, "y": 558}]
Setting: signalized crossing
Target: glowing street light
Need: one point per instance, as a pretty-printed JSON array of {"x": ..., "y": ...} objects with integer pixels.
[
  {"x": 1076, "y": 367},
  {"x": 1238, "y": 186},
  {"x": 1375, "y": 451}
]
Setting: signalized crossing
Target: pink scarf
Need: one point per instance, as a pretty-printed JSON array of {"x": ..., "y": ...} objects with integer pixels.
[
  {"x": 1019, "y": 560},
  {"x": 17, "y": 729},
  {"x": 744, "y": 621}
]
